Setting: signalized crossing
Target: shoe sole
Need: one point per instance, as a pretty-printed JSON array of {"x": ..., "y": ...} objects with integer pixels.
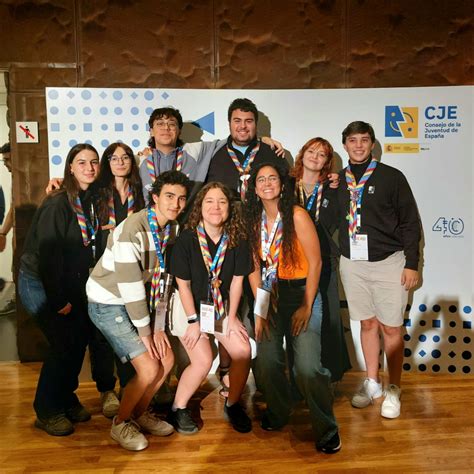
[
  {"x": 110, "y": 414},
  {"x": 42, "y": 426},
  {"x": 330, "y": 451},
  {"x": 161, "y": 433},
  {"x": 128, "y": 448},
  {"x": 186, "y": 433},
  {"x": 390, "y": 417}
]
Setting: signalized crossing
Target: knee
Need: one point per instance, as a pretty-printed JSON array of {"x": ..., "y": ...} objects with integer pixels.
[
  {"x": 149, "y": 373},
  {"x": 369, "y": 325},
  {"x": 168, "y": 362},
  {"x": 390, "y": 331},
  {"x": 242, "y": 353}
]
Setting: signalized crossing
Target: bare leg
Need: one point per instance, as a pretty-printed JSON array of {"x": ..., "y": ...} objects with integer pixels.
[
  {"x": 393, "y": 342},
  {"x": 240, "y": 354},
  {"x": 148, "y": 371},
  {"x": 200, "y": 364},
  {"x": 166, "y": 365},
  {"x": 370, "y": 340},
  {"x": 224, "y": 363}
]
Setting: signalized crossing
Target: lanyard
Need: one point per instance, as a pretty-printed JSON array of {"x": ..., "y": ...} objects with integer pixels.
[
  {"x": 244, "y": 170},
  {"x": 214, "y": 266},
  {"x": 160, "y": 248},
  {"x": 130, "y": 206},
  {"x": 317, "y": 192},
  {"x": 150, "y": 163},
  {"x": 86, "y": 226},
  {"x": 356, "y": 190}
]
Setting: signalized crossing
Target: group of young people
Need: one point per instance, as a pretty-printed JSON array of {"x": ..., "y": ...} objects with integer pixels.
[{"x": 210, "y": 232}]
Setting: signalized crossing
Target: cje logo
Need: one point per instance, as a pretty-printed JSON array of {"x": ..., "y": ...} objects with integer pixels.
[
  {"x": 451, "y": 227},
  {"x": 401, "y": 121}
]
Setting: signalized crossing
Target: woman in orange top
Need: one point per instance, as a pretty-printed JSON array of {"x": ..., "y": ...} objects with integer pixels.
[{"x": 287, "y": 259}]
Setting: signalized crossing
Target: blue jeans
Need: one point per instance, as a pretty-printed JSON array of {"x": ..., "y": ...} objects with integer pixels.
[
  {"x": 113, "y": 322},
  {"x": 67, "y": 336},
  {"x": 312, "y": 379}
]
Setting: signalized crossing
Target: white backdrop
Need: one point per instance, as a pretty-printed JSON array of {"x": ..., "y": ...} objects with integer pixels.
[{"x": 425, "y": 132}]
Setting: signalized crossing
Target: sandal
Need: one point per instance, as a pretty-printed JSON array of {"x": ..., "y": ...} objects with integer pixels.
[{"x": 224, "y": 390}]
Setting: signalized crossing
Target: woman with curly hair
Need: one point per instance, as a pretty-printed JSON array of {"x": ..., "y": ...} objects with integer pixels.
[
  {"x": 285, "y": 249},
  {"x": 210, "y": 260},
  {"x": 313, "y": 165}
]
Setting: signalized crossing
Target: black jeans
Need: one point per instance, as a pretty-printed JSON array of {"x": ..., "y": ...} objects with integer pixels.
[{"x": 68, "y": 336}]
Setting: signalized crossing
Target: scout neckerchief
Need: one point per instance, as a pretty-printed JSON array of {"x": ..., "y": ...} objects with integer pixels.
[
  {"x": 213, "y": 266},
  {"x": 150, "y": 164},
  {"x": 160, "y": 248},
  {"x": 85, "y": 225},
  {"x": 244, "y": 170},
  {"x": 130, "y": 206},
  {"x": 356, "y": 190},
  {"x": 269, "y": 275},
  {"x": 317, "y": 192}
]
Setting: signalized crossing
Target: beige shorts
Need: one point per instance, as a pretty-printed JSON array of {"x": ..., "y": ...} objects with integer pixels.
[{"x": 375, "y": 289}]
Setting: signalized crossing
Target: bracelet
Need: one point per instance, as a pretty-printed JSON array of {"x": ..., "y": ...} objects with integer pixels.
[{"x": 193, "y": 318}]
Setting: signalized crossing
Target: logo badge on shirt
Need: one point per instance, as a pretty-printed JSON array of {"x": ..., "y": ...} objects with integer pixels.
[
  {"x": 325, "y": 202},
  {"x": 371, "y": 190}
]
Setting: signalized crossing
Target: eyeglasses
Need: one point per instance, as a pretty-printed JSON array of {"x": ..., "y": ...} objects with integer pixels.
[
  {"x": 271, "y": 180},
  {"x": 161, "y": 124},
  {"x": 114, "y": 159}
]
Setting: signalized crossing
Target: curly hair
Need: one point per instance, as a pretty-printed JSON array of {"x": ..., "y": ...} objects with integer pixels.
[
  {"x": 253, "y": 214},
  {"x": 297, "y": 171},
  {"x": 234, "y": 225},
  {"x": 106, "y": 181}
]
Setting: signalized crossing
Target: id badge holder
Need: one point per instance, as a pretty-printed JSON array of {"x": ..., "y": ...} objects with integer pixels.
[
  {"x": 206, "y": 317},
  {"x": 160, "y": 316},
  {"x": 262, "y": 303},
  {"x": 359, "y": 247}
]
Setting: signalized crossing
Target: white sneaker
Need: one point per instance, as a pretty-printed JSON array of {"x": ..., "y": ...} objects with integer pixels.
[
  {"x": 369, "y": 390},
  {"x": 110, "y": 403},
  {"x": 391, "y": 404},
  {"x": 128, "y": 435},
  {"x": 150, "y": 423}
]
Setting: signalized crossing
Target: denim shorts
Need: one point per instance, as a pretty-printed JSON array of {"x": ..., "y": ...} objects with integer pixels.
[{"x": 113, "y": 322}]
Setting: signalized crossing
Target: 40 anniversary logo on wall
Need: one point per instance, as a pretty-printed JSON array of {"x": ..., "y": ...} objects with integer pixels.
[{"x": 450, "y": 227}]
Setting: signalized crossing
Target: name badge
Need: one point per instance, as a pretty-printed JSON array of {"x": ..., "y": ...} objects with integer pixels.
[
  {"x": 160, "y": 316},
  {"x": 359, "y": 247},
  {"x": 207, "y": 317},
  {"x": 262, "y": 303}
]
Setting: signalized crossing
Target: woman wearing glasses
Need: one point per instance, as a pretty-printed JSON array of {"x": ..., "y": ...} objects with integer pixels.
[
  {"x": 120, "y": 194},
  {"x": 287, "y": 258}
]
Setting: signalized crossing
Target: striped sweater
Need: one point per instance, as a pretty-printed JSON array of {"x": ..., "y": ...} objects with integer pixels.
[{"x": 127, "y": 264}]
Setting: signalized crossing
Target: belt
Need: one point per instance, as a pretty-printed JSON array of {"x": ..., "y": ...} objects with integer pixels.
[{"x": 291, "y": 283}]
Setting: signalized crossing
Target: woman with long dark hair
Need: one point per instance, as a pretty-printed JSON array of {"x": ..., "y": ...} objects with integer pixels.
[
  {"x": 287, "y": 259},
  {"x": 59, "y": 251},
  {"x": 210, "y": 260},
  {"x": 119, "y": 195},
  {"x": 313, "y": 164}
]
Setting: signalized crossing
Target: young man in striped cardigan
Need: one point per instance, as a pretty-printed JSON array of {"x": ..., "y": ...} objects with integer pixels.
[{"x": 120, "y": 305}]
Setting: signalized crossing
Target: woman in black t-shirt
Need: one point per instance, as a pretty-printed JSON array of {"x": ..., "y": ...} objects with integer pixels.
[{"x": 210, "y": 260}]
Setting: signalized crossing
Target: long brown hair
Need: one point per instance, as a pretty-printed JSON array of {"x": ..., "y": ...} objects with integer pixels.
[
  {"x": 70, "y": 185},
  {"x": 297, "y": 171},
  {"x": 233, "y": 226},
  {"x": 106, "y": 181}
]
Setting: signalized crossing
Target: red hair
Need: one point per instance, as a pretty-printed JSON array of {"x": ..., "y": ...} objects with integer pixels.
[{"x": 297, "y": 171}]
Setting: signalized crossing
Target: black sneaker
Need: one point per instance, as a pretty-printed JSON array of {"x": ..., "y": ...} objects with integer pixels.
[
  {"x": 332, "y": 446},
  {"x": 238, "y": 418},
  {"x": 78, "y": 413},
  {"x": 57, "y": 425},
  {"x": 267, "y": 425},
  {"x": 182, "y": 421}
]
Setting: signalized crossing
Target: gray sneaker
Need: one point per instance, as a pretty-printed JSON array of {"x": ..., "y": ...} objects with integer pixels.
[
  {"x": 128, "y": 435},
  {"x": 57, "y": 425},
  {"x": 150, "y": 423},
  {"x": 110, "y": 403},
  {"x": 369, "y": 390}
]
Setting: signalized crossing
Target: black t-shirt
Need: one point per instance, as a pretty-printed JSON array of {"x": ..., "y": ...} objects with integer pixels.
[
  {"x": 327, "y": 223},
  {"x": 187, "y": 263}
]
